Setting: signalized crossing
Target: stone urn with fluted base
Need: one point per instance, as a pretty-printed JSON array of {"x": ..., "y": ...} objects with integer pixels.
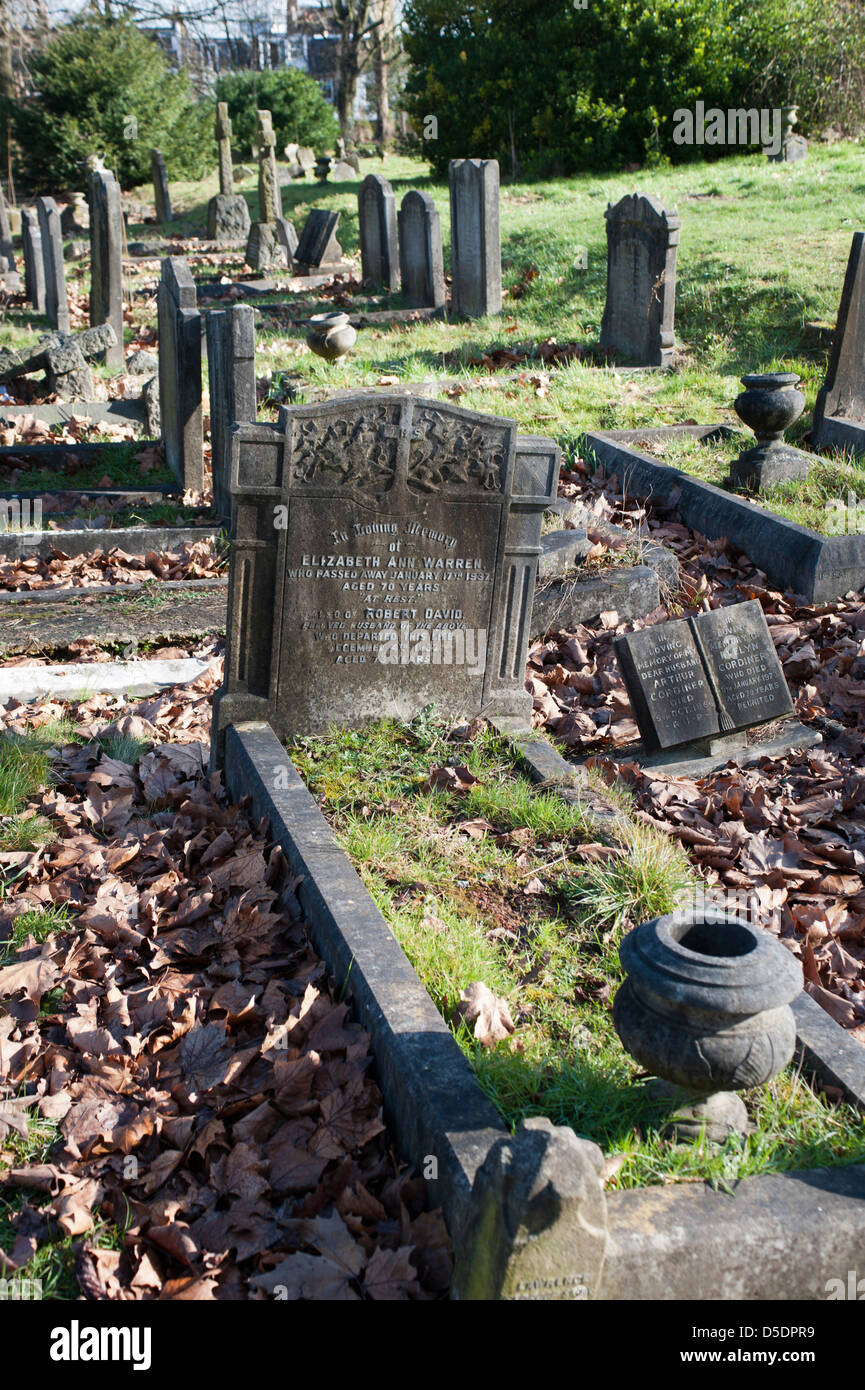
[
  {"x": 769, "y": 405},
  {"x": 706, "y": 1007}
]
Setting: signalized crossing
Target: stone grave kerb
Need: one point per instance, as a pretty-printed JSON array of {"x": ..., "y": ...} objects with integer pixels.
[
  {"x": 642, "y": 246},
  {"x": 360, "y": 524},
  {"x": 179, "y": 327},
  {"x": 842, "y": 395}
]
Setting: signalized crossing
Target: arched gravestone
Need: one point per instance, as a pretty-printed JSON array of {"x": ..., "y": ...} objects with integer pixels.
[
  {"x": 420, "y": 252},
  {"x": 839, "y": 412},
  {"x": 642, "y": 242},
  {"x": 384, "y": 558},
  {"x": 376, "y": 207}
]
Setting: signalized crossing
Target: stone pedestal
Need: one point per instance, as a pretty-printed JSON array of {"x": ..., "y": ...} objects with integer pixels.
[{"x": 228, "y": 217}]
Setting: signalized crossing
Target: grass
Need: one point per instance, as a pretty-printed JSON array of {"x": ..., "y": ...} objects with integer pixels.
[
  {"x": 456, "y": 900},
  {"x": 24, "y": 769},
  {"x": 807, "y": 502}
]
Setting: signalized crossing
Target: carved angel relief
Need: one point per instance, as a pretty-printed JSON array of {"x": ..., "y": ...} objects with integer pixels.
[{"x": 363, "y": 451}]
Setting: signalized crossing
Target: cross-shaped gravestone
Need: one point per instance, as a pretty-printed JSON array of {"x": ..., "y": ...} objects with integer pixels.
[
  {"x": 106, "y": 259},
  {"x": 269, "y": 200},
  {"x": 642, "y": 242},
  {"x": 223, "y": 140},
  {"x": 384, "y": 558},
  {"x": 180, "y": 372},
  {"x": 56, "y": 303}
]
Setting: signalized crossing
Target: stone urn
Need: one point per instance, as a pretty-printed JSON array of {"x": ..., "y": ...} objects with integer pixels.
[
  {"x": 769, "y": 405},
  {"x": 706, "y": 1007},
  {"x": 331, "y": 336}
]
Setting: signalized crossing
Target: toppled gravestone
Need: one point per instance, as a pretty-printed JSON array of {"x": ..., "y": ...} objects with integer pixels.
[{"x": 64, "y": 358}]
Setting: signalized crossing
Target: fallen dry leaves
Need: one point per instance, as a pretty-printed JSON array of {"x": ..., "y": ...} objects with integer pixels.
[
  {"x": 789, "y": 830},
  {"x": 212, "y": 1096},
  {"x": 204, "y": 559}
]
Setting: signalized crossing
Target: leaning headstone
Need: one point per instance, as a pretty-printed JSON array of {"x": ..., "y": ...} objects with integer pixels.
[
  {"x": 263, "y": 247},
  {"x": 287, "y": 238},
  {"x": 693, "y": 680},
  {"x": 839, "y": 412},
  {"x": 318, "y": 248},
  {"x": 179, "y": 324},
  {"x": 106, "y": 259},
  {"x": 34, "y": 268},
  {"x": 56, "y": 303},
  {"x": 231, "y": 371},
  {"x": 161, "y": 196},
  {"x": 10, "y": 278},
  {"x": 642, "y": 243},
  {"x": 420, "y": 252},
  {"x": 384, "y": 559},
  {"x": 227, "y": 212},
  {"x": 306, "y": 158},
  {"x": 376, "y": 209},
  {"x": 476, "y": 249}
]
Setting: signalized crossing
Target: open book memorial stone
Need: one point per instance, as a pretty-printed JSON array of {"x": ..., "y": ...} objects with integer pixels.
[
  {"x": 384, "y": 558},
  {"x": 700, "y": 683}
]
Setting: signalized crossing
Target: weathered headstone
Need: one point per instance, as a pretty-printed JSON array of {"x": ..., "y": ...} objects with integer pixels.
[
  {"x": 161, "y": 196},
  {"x": 476, "y": 249},
  {"x": 179, "y": 325},
  {"x": 56, "y": 303},
  {"x": 227, "y": 211},
  {"x": 376, "y": 209},
  {"x": 420, "y": 252},
  {"x": 34, "y": 268},
  {"x": 839, "y": 412},
  {"x": 106, "y": 259},
  {"x": 642, "y": 243},
  {"x": 10, "y": 278},
  {"x": 306, "y": 157},
  {"x": 318, "y": 247},
  {"x": 384, "y": 558},
  {"x": 231, "y": 371},
  {"x": 75, "y": 217},
  {"x": 263, "y": 248},
  {"x": 692, "y": 680},
  {"x": 287, "y": 238},
  {"x": 793, "y": 147}
]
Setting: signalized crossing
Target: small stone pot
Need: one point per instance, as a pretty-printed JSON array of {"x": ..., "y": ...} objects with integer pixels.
[
  {"x": 770, "y": 404},
  {"x": 331, "y": 336},
  {"x": 706, "y": 1002}
]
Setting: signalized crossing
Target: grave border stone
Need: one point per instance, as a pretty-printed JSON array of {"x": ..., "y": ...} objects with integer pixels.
[
  {"x": 793, "y": 1230},
  {"x": 819, "y": 568}
]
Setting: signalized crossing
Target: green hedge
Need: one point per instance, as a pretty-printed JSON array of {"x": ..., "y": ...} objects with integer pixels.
[{"x": 295, "y": 101}]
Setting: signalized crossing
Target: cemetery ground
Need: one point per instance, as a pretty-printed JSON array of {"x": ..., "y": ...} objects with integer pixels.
[{"x": 482, "y": 878}]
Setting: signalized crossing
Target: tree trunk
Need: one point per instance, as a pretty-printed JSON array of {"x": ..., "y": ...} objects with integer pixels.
[{"x": 382, "y": 55}]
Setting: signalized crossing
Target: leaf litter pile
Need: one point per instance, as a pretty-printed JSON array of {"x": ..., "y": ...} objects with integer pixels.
[
  {"x": 211, "y": 1097},
  {"x": 204, "y": 559},
  {"x": 791, "y": 829}
]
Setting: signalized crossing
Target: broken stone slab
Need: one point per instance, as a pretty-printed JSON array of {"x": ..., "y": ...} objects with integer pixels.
[
  {"x": 88, "y": 344},
  {"x": 81, "y": 679},
  {"x": 537, "y": 1225},
  {"x": 67, "y": 373},
  {"x": 564, "y": 604},
  {"x": 702, "y": 757},
  {"x": 560, "y": 552},
  {"x": 142, "y": 363},
  {"x": 826, "y": 1050},
  {"x": 228, "y": 218}
]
